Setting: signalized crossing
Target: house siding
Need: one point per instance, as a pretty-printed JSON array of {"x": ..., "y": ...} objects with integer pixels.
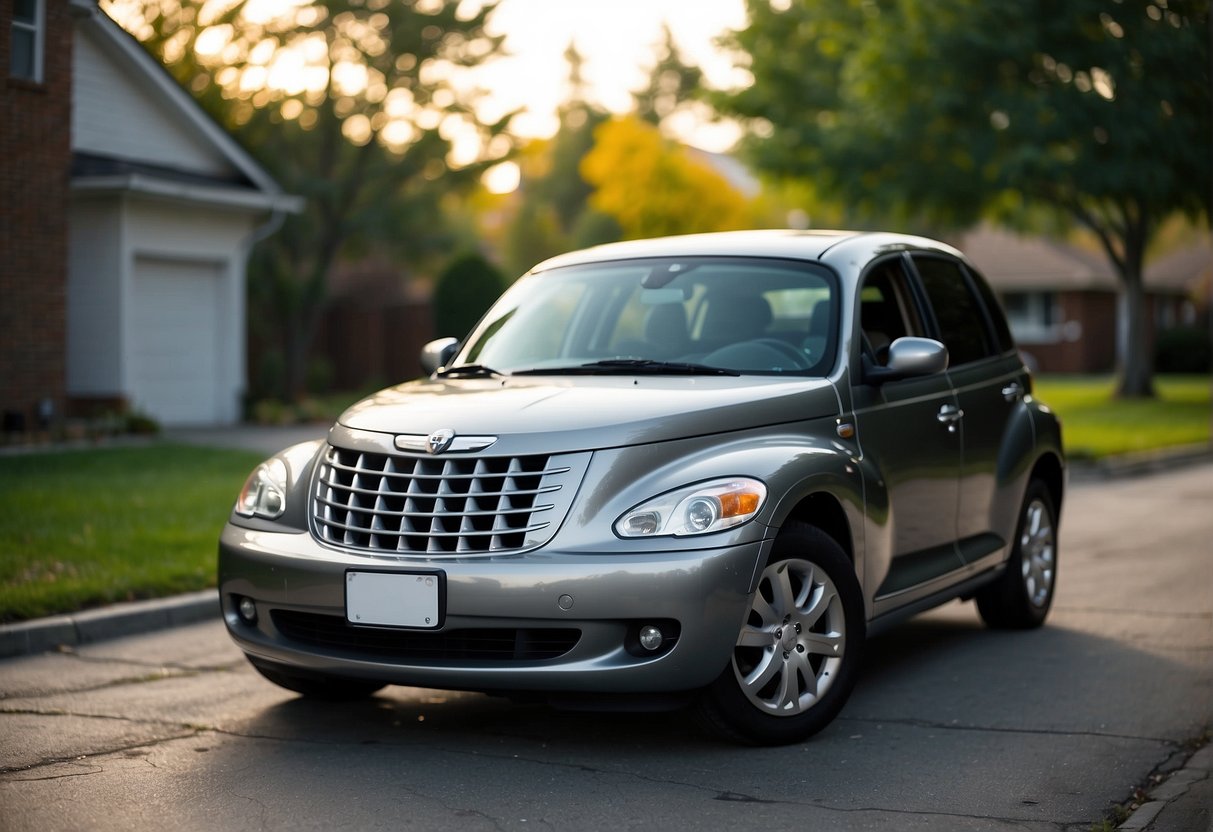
[
  {"x": 35, "y": 158},
  {"x": 114, "y": 116}
]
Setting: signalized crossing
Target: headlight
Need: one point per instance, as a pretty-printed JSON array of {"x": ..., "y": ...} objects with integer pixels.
[
  {"x": 264, "y": 492},
  {"x": 697, "y": 509}
]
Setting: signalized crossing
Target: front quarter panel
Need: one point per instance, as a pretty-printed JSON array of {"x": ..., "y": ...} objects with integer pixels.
[{"x": 791, "y": 461}]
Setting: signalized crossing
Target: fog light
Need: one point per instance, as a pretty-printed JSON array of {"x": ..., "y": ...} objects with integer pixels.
[
  {"x": 247, "y": 609},
  {"x": 650, "y": 637}
]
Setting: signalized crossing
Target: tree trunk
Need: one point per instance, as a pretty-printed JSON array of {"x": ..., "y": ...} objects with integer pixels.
[
  {"x": 1123, "y": 236},
  {"x": 1134, "y": 353}
]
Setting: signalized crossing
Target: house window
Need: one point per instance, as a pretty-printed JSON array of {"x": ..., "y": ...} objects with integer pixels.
[
  {"x": 27, "y": 37},
  {"x": 1033, "y": 316}
]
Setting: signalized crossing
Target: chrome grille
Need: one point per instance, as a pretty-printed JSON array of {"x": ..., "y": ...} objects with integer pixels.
[{"x": 400, "y": 503}]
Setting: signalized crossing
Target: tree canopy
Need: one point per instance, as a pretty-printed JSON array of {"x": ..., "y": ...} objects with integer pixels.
[
  {"x": 653, "y": 187},
  {"x": 947, "y": 110},
  {"x": 350, "y": 104}
]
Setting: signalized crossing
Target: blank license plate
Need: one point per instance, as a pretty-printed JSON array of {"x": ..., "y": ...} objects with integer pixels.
[{"x": 392, "y": 600}]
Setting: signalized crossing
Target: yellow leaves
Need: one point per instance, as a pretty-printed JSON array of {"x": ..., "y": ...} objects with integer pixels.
[{"x": 653, "y": 187}]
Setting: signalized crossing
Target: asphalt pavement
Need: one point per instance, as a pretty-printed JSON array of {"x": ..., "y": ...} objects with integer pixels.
[{"x": 1180, "y": 798}]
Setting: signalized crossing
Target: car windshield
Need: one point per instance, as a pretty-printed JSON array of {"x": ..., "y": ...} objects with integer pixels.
[{"x": 676, "y": 316}]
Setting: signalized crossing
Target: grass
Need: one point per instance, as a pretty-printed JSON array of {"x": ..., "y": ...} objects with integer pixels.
[
  {"x": 1097, "y": 425},
  {"x": 84, "y": 528}
]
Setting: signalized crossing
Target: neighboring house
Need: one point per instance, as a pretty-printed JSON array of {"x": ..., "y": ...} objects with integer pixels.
[
  {"x": 132, "y": 230},
  {"x": 1061, "y": 300}
]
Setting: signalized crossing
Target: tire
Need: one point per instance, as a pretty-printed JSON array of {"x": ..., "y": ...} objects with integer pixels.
[
  {"x": 318, "y": 686},
  {"x": 798, "y": 652},
  {"x": 1020, "y": 598}
]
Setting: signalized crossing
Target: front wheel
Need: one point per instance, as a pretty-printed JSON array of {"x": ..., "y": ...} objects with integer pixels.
[
  {"x": 798, "y": 651},
  {"x": 1020, "y": 598}
]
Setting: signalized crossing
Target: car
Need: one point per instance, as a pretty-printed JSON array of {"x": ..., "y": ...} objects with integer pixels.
[{"x": 697, "y": 471}]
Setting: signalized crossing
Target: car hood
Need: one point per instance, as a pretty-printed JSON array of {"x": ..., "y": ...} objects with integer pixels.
[{"x": 578, "y": 414}]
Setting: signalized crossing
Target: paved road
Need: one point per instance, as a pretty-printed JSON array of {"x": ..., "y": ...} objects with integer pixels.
[{"x": 952, "y": 727}]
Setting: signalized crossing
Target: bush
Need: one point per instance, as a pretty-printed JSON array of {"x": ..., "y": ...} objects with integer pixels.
[
  {"x": 1183, "y": 349},
  {"x": 465, "y": 290}
]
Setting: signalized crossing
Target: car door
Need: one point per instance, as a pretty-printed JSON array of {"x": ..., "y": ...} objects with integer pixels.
[
  {"x": 906, "y": 431},
  {"x": 989, "y": 381}
]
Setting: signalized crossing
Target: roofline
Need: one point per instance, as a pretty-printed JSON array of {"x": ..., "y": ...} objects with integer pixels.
[
  {"x": 217, "y": 196},
  {"x": 124, "y": 45}
]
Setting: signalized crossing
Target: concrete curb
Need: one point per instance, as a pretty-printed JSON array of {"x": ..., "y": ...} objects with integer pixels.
[
  {"x": 1181, "y": 803},
  {"x": 1135, "y": 465},
  {"x": 85, "y": 627}
]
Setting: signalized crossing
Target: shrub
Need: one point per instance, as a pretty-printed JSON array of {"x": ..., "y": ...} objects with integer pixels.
[
  {"x": 1183, "y": 349},
  {"x": 465, "y": 290}
]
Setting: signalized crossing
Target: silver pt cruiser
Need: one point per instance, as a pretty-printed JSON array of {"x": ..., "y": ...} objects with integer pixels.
[{"x": 696, "y": 470}]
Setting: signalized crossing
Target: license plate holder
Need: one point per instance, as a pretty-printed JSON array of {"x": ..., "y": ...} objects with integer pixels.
[{"x": 412, "y": 600}]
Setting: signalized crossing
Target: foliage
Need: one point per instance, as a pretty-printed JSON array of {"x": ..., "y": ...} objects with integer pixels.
[
  {"x": 552, "y": 214},
  {"x": 83, "y": 528},
  {"x": 348, "y": 103},
  {"x": 653, "y": 187},
  {"x": 947, "y": 109},
  {"x": 465, "y": 291},
  {"x": 671, "y": 84},
  {"x": 1183, "y": 349},
  {"x": 556, "y": 212}
]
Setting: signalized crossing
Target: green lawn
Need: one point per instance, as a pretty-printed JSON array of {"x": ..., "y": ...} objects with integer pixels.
[
  {"x": 84, "y": 528},
  {"x": 1096, "y": 425}
]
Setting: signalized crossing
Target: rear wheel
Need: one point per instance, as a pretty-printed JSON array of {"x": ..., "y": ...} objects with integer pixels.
[
  {"x": 318, "y": 686},
  {"x": 798, "y": 651},
  {"x": 1021, "y": 597}
]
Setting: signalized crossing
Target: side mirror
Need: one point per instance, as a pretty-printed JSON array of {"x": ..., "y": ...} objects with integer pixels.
[
  {"x": 436, "y": 354},
  {"x": 909, "y": 357}
]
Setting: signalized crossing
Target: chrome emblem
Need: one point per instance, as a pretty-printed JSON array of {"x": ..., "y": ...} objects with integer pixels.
[{"x": 439, "y": 441}]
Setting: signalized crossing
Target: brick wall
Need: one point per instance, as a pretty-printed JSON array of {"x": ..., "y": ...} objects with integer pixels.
[{"x": 35, "y": 157}]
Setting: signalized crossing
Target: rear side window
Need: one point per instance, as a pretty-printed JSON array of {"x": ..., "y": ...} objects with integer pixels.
[
  {"x": 998, "y": 318},
  {"x": 959, "y": 313}
]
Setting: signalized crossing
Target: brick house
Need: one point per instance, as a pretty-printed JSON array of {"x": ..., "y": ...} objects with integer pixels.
[
  {"x": 127, "y": 217},
  {"x": 35, "y": 158},
  {"x": 1061, "y": 300}
]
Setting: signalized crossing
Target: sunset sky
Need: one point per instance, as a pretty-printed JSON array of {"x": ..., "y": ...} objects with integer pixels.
[{"x": 617, "y": 38}]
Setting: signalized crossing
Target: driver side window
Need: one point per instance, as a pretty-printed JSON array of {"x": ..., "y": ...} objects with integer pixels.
[{"x": 887, "y": 310}]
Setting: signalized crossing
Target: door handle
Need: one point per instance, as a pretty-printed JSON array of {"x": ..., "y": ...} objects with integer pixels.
[
  {"x": 949, "y": 415},
  {"x": 1012, "y": 391}
]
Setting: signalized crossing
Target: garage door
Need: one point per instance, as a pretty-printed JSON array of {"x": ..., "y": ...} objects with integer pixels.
[{"x": 177, "y": 333}]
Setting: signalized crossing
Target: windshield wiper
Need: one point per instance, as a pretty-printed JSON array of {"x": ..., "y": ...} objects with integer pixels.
[
  {"x": 627, "y": 366},
  {"x": 467, "y": 371}
]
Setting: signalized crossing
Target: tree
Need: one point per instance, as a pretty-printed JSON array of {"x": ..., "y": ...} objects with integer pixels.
[
  {"x": 349, "y": 104},
  {"x": 948, "y": 109},
  {"x": 553, "y": 214},
  {"x": 465, "y": 291},
  {"x": 652, "y": 186},
  {"x": 672, "y": 83}
]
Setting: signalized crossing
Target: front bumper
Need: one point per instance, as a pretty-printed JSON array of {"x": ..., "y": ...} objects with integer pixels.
[{"x": 703, "y": 593}]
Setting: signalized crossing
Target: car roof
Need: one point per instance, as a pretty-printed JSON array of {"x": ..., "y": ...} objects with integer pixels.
[{"x": 785, "y": 243}]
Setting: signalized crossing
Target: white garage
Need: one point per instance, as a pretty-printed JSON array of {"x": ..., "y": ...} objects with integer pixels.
[{"x": 164, "y": 209}]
